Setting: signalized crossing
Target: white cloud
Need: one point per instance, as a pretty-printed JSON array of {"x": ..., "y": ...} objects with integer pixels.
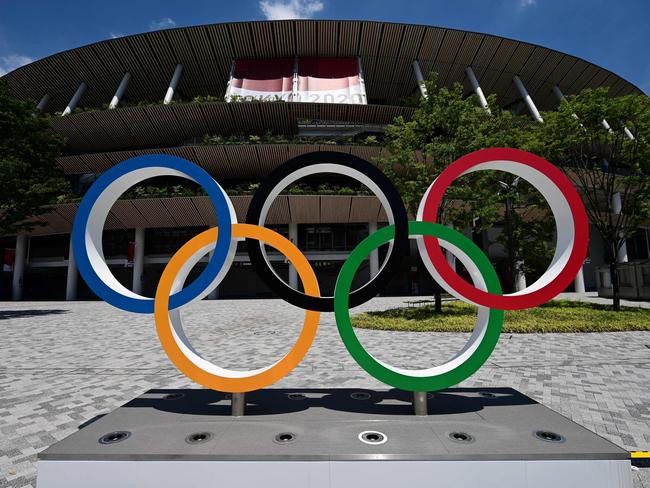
[
  {"x": 115, "y": 35},
  {"x": 165, "y": 23},
  {"x": 290, "y": 9},
  {"x": 12, "y": 61},
  {"x": 527, "y": 3}
]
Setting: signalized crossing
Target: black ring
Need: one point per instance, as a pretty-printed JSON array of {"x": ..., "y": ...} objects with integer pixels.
[{"x": 393, "y": 261}]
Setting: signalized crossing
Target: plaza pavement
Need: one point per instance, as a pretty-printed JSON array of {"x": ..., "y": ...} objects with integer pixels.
[{"x": 63, "y": 363}]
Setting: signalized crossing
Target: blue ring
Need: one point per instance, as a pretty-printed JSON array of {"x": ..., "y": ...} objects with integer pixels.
[{"x": 215, "y": 263}]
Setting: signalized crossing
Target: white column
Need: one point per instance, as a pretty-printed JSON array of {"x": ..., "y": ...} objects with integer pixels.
[
  {"x": 560, "y": 96},
  {"x": 119, "y": 93},
  {"x": 449, "y": 256},
  {"x": 214, "y": 294},
  {"x": 74, "y": 101},
  {"x": 362, "y": 83},
  {"x": 606, "y": 125},
  {"x": 44, "y": 101},
  {"x": 527, "y": 99},
  {"x": 617, "y": 208},
  {"x": 579, "y": 281},
  {"x": 294, "y": 84},
  {"x": 520, "y": 278},
  {"x": 419, "y": 78},
  {"x": 138, "y": 260},
  {"x": 374, "y": 254},
  {"x": 477, "y": 88},
  {"x": 19, "y": 267},
  {"x": 71, "y": 276},
  {"x": 173, "y": 84},
  {"x": 628, "y": 133},
  {"x": 226, "y": 96},
  {"x": 293, "y": 237}
]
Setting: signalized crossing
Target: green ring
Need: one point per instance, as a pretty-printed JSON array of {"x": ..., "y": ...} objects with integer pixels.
[{"x": 374, "y": 367}]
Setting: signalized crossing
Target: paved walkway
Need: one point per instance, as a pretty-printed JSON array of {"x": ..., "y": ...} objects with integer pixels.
[
  {"x": 63, "y": 363},
  {"x": 592, "y": 297}
]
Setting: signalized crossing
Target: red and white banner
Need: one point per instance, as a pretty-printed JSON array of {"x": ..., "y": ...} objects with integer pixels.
[
  {"x": 329, "y": 80},
  {"x": 316, "y": 80},
  {"x": 262, "y": 79},
  {"x": 8, "y": 259}
]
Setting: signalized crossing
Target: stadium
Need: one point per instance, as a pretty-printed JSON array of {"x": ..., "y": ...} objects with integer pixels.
[{"x": 239, "y": 99}]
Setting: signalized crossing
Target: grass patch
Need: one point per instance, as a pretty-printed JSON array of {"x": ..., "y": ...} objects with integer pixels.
[{"x": 554, "y": 316}]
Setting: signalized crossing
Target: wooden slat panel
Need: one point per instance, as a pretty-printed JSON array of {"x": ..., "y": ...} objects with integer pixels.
[
  {"x": 364, "y": 209},
  {"x": 278, "y": 212},
  {"x": 191, "y": 119},
  {"x": 306, "y": 37},
  {"x": 245, "y": 159},
  {"x": 73, "y": 165},
  {"x": 270, "y": 156},
  {"x": 206, "y": 53},
  {"x": 67, "y": 211},
  {"x": 87, "y": 125},
  {"x": 576, "y": 70},
  {"x": 183, "y": 211},
  {"x": 215, "y": 161},
  {"x": 140, "y": 125},
  {"x": 218, "y": 117},
  {"x": 503, "y": 54},
  {"x": 263, "y": 39},
  {"x": 335, "y": 208},
  {"x": 128, "y": 214},
  {"x": 328, "y": 38},
  {"x": 56, "y": 222},
  {"x": 112, "y": 122},
  {"x": 304, "y": 209},
  {"x": 450, "y": 46},
  {"x": 285, "y": 40},
  {"x": 469, "y": 48},
  {"x": 586, "y": 76},
  {"x": 164, "y": 117},
  {"x": 241, "y": 203},
  {"x": 536, "y": 59},
  {"x": 192, "y": 76},
  {"x": 155, "y": 212},
  {"x": 431, "y": 43},
  {"x": 206, "y": 210},
  {"x": 349, "y": 38},
  {"x": 560, "y": 71},
  {"x": 519, "y": 58},
  {"x": 242, "y": 41},
  {"x": 99, "y": 162}
]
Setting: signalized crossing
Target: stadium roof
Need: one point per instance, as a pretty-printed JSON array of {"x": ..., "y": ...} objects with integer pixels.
[{"x": 386, "y": 49}]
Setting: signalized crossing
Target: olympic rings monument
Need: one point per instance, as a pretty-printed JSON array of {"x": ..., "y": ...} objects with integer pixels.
[{"x": 435, "y": 436}]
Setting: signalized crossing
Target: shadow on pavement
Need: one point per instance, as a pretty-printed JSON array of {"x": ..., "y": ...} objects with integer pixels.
[{"x": 16, "y": 314}]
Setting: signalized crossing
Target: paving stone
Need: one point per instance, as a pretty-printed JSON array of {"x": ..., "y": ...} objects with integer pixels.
[{"x": 64, "y": 363}]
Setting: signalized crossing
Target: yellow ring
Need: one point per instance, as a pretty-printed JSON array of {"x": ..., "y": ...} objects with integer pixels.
[{"x": 254, "y": 381}]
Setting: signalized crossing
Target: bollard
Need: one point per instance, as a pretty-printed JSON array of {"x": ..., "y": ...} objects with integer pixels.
[
  {"x": 238, "y": 402},
  {"x": 420, "y": 402}
]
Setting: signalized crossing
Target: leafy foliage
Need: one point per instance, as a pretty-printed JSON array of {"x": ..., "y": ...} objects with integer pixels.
[
  {"x": 28, "y": 171},
  {"x": 446, "y": 126},
  {"x": 270, "y": 138},
  {"x": 555, "y": 316},
  {"x": 601, "y": 161}
]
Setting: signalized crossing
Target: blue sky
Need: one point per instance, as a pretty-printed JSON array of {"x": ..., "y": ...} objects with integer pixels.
[{"x": 610, "y": 33}]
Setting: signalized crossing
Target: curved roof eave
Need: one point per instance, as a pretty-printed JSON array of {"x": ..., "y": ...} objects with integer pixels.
[{"x": 387, "y": 50}]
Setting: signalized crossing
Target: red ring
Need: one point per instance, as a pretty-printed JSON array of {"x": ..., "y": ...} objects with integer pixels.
[{"x": 580, "y": 223}]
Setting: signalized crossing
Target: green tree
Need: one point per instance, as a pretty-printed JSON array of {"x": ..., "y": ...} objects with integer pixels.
[
  {"x": 602, "y": 161},
  {"x": 445, "y": 126},
  {"x": 30, "y": 177}
]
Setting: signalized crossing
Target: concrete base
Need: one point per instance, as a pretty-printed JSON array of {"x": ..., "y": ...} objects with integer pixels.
[{"x": 334, "y": 438}]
